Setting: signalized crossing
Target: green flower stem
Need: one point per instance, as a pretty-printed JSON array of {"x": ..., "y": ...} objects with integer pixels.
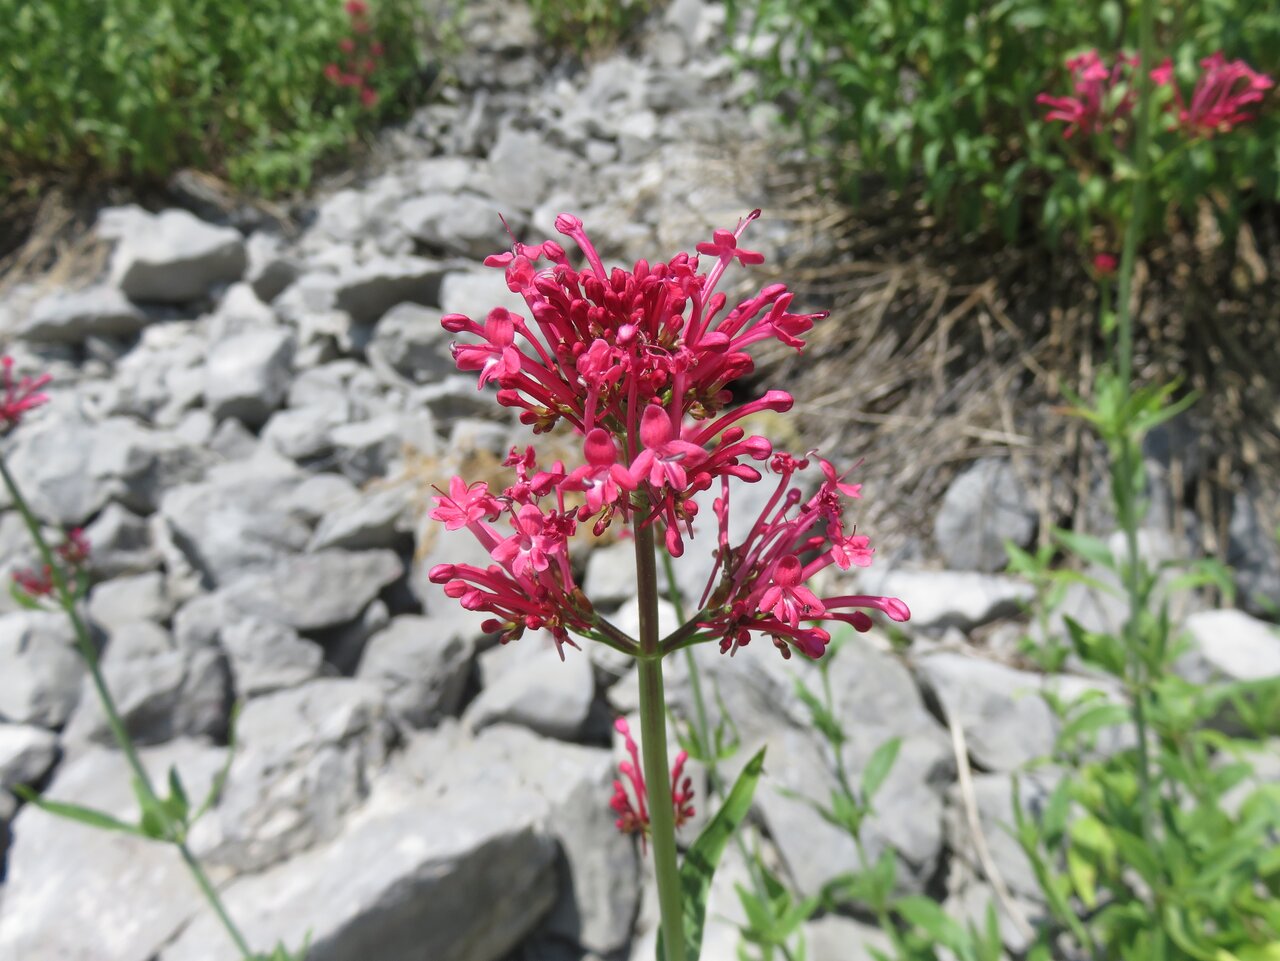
[
  {"x": 89, "y": 654},
  {"x": 653, "y": 743},
  {"x": 702, "y": 725},
  {"x": 215, "y": 901},
  {"x": 1123, "y": 492}
]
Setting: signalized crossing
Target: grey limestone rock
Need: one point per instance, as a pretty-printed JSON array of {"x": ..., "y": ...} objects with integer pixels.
[
  {"x": 161, "y": 690},
  {"x": 1005, "y": 719},
  {"x": 370, "y": 290},
  {"x": 364, "y": 520},
  {"x": 310, "y": 592},
  {"x": 232, "y": 523},
  {"x": 402, "y": 879},
  {"x": 174, "y": 257},
  {"x": 131, "y": 895},
  {"x": 476, "y": 292},
  {"x": 71, "y": 468},
  {"x": 1254, "y": 553},
  {"x": 40, "y": 683},
  {"x": 1230, "y": 645},
  {"x": 126, "y": 600},
  {"x": 525, "y": 166},
  {"x": 982, "y": 508},
  {"x": 420, "y": 666},
  {"x": 120, "y": 543},
  {"x": 963, "y": 599},
  {"x": 26, "y": 754},
  {"x": 304, "y": 759},
  {"x": 71, "y": 316},
  {"x": 267, "y": 657},
  {"x": 409, "y": 337},
  {"x": 270, "y": 269},
  {"x": 247, "y": 374},
  {"x": 366, "y": 449},
  {"x": 458, "y": 223},
  {"x": 547, "y": 695}
]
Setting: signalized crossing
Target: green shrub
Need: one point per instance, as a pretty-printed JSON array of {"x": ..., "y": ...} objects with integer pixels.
[
  {"x": 586, "y": 25},
  {"x": 939, "y": 97},
  {"x": 134, "y": 89}
]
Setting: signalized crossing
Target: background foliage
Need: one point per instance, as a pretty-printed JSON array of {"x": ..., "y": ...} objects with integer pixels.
[
  {"x": 937, "y": 98},
  {"x": 135, "y": 89}
]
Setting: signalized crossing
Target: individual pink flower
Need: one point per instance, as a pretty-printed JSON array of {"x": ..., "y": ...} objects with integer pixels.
[
  {"x": 601, "y": 478},
  {"x": 496, "y": 357},
  {"x": 1104, "y": 264},
  {"x": 787, "y": 598},
  {"x": 19, "y": 396},
  {"x": 666, "y": 459},
  {"x": 356, "y": 8},
  {"x": 368, "y": 97},
  {"x": 532, "y": 546},
  {"x": 464, "y": 504},
  {"x": 632, "y": 811}
]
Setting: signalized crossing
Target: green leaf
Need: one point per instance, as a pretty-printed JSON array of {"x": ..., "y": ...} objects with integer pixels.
[
  {"x": 177, "y": 805},
  {"x": 878, "y": 768},
  {"x": 23, "y": 599},
  {"x": 1094, "y": 719},
  {"x": 925, "y": 914},
  {"x": 75, "y": 812},
  {"x": 701, "y": 859},
  {"x": 1092, "y": 549}
]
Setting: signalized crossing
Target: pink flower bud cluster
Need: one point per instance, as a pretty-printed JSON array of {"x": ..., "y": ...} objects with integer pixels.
[
  {"x": 640, "y": 364},
  {"x": 632, "y": 810},
  {"x": 1106, "y": 95}
]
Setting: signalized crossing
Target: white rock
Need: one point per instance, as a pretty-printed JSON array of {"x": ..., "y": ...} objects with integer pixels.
[
  {"x": 247, "y": 374},
  {"x": 175, "y": 257},
  {"x": 549, "y": 696},
  {"x": 40, "y": 683}
]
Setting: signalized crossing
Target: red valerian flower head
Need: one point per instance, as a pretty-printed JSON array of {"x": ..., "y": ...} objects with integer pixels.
[
  {"x": 19, "y": 396},
  {"x": 1223, "y": 92},
  {"x": 1103, "y": 95},
  {"x": 632, "y": 811}
]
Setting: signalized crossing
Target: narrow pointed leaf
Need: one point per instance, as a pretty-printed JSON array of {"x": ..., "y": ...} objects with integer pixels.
[
  {"x": 75, "y": 812},
  {"x": 700, "y": 861}
]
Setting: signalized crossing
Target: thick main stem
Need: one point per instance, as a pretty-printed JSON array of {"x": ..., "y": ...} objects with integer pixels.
[
  {"x": 115, "y": 723},
  {"x": 653, "y": 744}
]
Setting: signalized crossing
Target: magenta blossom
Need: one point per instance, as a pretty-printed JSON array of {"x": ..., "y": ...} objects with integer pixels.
[
  {"x": 641, "y": 364},
  {"x": 1223, "y": 92},
  {"x": 633, "y": 815},
  {"x": 19, "y": 396},
  {"x": 1096, "y": 104}
]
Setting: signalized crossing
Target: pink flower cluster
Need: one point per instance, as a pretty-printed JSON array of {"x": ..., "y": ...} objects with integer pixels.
[
  {"x": 1105, "y": 95},
  {"x": 19, "y": 396},
  {"x": 72, "y": 555},
  {"x": 640, "y": 364},
  {"x": 633, "y": 815},
  {"x": 362, "y": 56},
  {"x": 1223, "y": 91}
]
